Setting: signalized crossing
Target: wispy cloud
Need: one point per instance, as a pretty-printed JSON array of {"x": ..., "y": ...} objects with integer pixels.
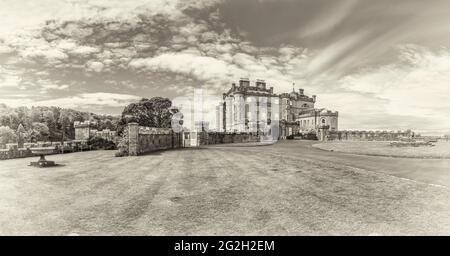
[
  {"x": 329, "y": 18},
  {"x": 374, "y": 61}
]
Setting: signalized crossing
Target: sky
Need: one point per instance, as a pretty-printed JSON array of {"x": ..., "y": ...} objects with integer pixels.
[{"x": 382, "y": 64}]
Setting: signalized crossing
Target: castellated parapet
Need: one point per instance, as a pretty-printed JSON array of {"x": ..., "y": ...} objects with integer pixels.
[
  {"x": 82, "y": 129},
  {"x": 87, "y": 129}
]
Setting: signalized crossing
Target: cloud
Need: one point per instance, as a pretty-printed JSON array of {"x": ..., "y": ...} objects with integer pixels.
[
  {"x": 95, "y": 66},
  {"x": 9, "y": 78},
  {"x": 202, "y": 67},
  {"x": 84, "y": 101},
  {"x": 321, "y": 61},
  {"x": 171, "y": 46},
  {"x": 415, "y": 86},
  {"x": 48, "y": 87},
  {"x": 5, "y": 49},
  {"x": 328, "y": 19}
]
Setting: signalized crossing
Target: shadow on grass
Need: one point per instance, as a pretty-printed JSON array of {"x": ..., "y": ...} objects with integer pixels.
[
  {"x": 47, "y": 167},
  {"x": 161, "y": 151}
]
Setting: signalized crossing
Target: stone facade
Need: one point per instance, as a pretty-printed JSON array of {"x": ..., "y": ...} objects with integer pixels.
[
  {"x": 85, "y": 130},
  {"x": 315, "y": 119},
  {"x": 246, "y": 108},
  {"x": 82, "y": 130}
]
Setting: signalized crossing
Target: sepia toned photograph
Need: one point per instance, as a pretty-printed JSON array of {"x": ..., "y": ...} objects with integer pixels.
[{"x": 224, "y": 118}]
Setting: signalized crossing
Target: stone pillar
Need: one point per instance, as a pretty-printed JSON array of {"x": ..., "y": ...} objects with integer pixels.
[
  {"x": 323, "y": 133},
  {"x": 133, "y": 139}
]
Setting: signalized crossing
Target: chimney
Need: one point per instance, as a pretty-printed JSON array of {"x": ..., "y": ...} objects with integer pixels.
[
  {"x": 261, "y": 84},
  {"x": 301, "y": 91},
  {"x": 244, "y": 82},
  {"x": 233, "y": 85},
  {"x": 271, "y": 90},
  {"x": 314, "y": 98}
]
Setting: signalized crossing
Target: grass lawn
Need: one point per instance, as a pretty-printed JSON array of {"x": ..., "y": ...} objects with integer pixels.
[
  {"x": 382, "y": 148},
  {"x": 288, "y": 188}
]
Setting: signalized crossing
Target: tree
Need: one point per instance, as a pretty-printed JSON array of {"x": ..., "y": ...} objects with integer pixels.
[
  {"x": 40, "y": 132},
  {"x": 21, "y": 133},
  {"x": 63, "y": 119},
  {"x": 7, "y": 135},
  {"x": 106, "y": 124},
  {"x": 55, "y": 119},
  {"x": 154, "y": 112}
]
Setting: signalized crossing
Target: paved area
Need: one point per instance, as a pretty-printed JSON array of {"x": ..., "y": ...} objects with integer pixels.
[{"x": 288, "y": 188}]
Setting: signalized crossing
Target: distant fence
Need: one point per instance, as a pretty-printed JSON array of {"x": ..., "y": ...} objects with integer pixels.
[{"x": 369, "y": 135}]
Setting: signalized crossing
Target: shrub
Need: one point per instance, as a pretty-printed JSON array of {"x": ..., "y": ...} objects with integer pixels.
[
  {"x": 123, "y": 144},
  {"x": 120, "y": 154},
  {"x": 100, "y": 143}
]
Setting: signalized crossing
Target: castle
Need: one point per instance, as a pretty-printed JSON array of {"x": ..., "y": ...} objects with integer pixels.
[
  {"x": 256, "y": 108},
  {"x": 85, "y": 130}
]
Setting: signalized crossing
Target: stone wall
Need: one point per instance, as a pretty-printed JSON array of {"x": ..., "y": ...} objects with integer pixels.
[
  {"x": 138, "y": 140},
  {"x": 368, "y": 135},
  {"x": 224, "y": 137},
  {"x": 14, "y": 153},
  {"x": 143, "y": 140}
]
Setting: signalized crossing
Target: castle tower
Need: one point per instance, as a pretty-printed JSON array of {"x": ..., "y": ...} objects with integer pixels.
[{"x": 82, "y": 130}]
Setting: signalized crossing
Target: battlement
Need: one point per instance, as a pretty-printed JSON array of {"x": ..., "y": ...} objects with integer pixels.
[
  {"x": 298, "y": 96},
  {"x": 245, "y": 87},
  {"x": 84, "y": 124},
  {"x": 318, "y": 112}
]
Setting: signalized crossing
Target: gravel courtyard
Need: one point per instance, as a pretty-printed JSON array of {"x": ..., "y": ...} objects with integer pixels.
[{"x": 289, "y": 188}]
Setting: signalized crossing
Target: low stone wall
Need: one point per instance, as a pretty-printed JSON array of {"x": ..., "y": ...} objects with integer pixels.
[
  {"x": 14, "y": 153},
  {"x": 137, "y": 140},
  {"x": 143, "y": 140},
  {"x": 223, "y": 138},
  {"x": 369, "y": 135}
]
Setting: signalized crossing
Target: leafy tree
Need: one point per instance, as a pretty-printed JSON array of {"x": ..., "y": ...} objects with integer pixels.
[
  {"x": 21, "y": 134},
  {"x": 154, "y": 112},
  {"x": 7, "y": 135},
  {"x": 50, "y": 121},
  {"x": 40, "y": 132},
  {"x": 106, "y": 124},
  {"x": 58, "y": 121}
]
